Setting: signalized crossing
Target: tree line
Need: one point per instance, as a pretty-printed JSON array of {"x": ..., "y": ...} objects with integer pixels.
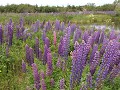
[{"x": 21, "y": 8}]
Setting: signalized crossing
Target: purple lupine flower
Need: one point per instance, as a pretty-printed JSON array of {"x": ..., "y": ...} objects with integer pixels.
[
  {"x": 40, "y": 54},
  {"x": 86, "y": 50},
  {"x": 6, "y": 33},
  {"x": 52, "y": 82},
  {"x": 37, "y": 25},
  {"x": 66, "y": 44},
  {"x": 62, "y": 26},
  {"x": 1, "y": 35},
  {"x": 77, "y": 35},
  {"x": 58, "y": 64},
  {"x": 45, "y": 54},
  {"x": 27, "y": 52},
  {"x": 10, "y": 22},
  {"x": 31, "y": 56},
  {"x": 115, "y": 71},
  {"x": 10, "y": 34},
  {"x": 47, "y": 27},
  {"x": 57, "y": 25},
  {"x": 20, "y": 32},
  {"x": 110, "y": 50},
  {"x": 95, "y": 48},
  {"x": 90, "y": 40},
  {"x": 94, "y": 62},
  {"x": 105, "y": 42},
  {"x": 89, "y": 81},
  {"x": 96, "y": 36},
  {"x": 62, "y": 84},
  {"x": 76, "y": 45},
  {"x": 76, "y": 70},
  {"x": 79, "y": 57},
  {"x": 25, "y": 35},
  {"x": 21, "y": 22},
  {"x": 49, "y": 63},
  {"x": 37, "y": 47},
  {"x": 33, "y": 28},
  {"x": 44, "y": 35},
  {"x": 48, "y": 71},
  {"x": 42, "y": 74},
  {"x": 68, "y": 32},
  {"x": 85, "y": 36},
  {"x": 115, "y": 60},
  {"x": 23, "y": 66},
  {"x": 43, "y": 85},
  {"x": 42, "y": 24},
  {"x": 112, "y": 35},
  {"x": 49, "y": 24},
  {"x": 36, "y": 76},
  {"x": 47, "y": 42},
  {"x": 73, "y": 27}
]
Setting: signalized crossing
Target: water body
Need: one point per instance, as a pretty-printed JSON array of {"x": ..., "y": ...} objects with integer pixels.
[{"x": 109, "y": 27}]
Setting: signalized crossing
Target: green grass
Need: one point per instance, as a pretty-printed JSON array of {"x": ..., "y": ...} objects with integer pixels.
[{"x": 80, "y": 19}]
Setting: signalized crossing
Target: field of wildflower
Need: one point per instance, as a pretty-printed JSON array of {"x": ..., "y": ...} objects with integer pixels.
[{"x": 58, "y": 55}]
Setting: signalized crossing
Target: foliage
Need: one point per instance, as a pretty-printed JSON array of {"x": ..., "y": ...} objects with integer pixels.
[
  {"x": 22, "y": 8},
  {"x": 12, "y": 76}
]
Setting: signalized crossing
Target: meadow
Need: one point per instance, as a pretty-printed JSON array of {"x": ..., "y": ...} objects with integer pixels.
[{"x": 57, "y": 52}]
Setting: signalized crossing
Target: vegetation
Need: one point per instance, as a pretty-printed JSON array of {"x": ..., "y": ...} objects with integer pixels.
[
  {"x": 21, "y": 8},
  {"x": 22, "y": 36},
  {"x": 66, "y": 17},
  {"x": 60, "y": 48}
]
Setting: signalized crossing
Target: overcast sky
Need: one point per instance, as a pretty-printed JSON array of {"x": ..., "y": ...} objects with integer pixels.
[{"x": 56, "y": 2}]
